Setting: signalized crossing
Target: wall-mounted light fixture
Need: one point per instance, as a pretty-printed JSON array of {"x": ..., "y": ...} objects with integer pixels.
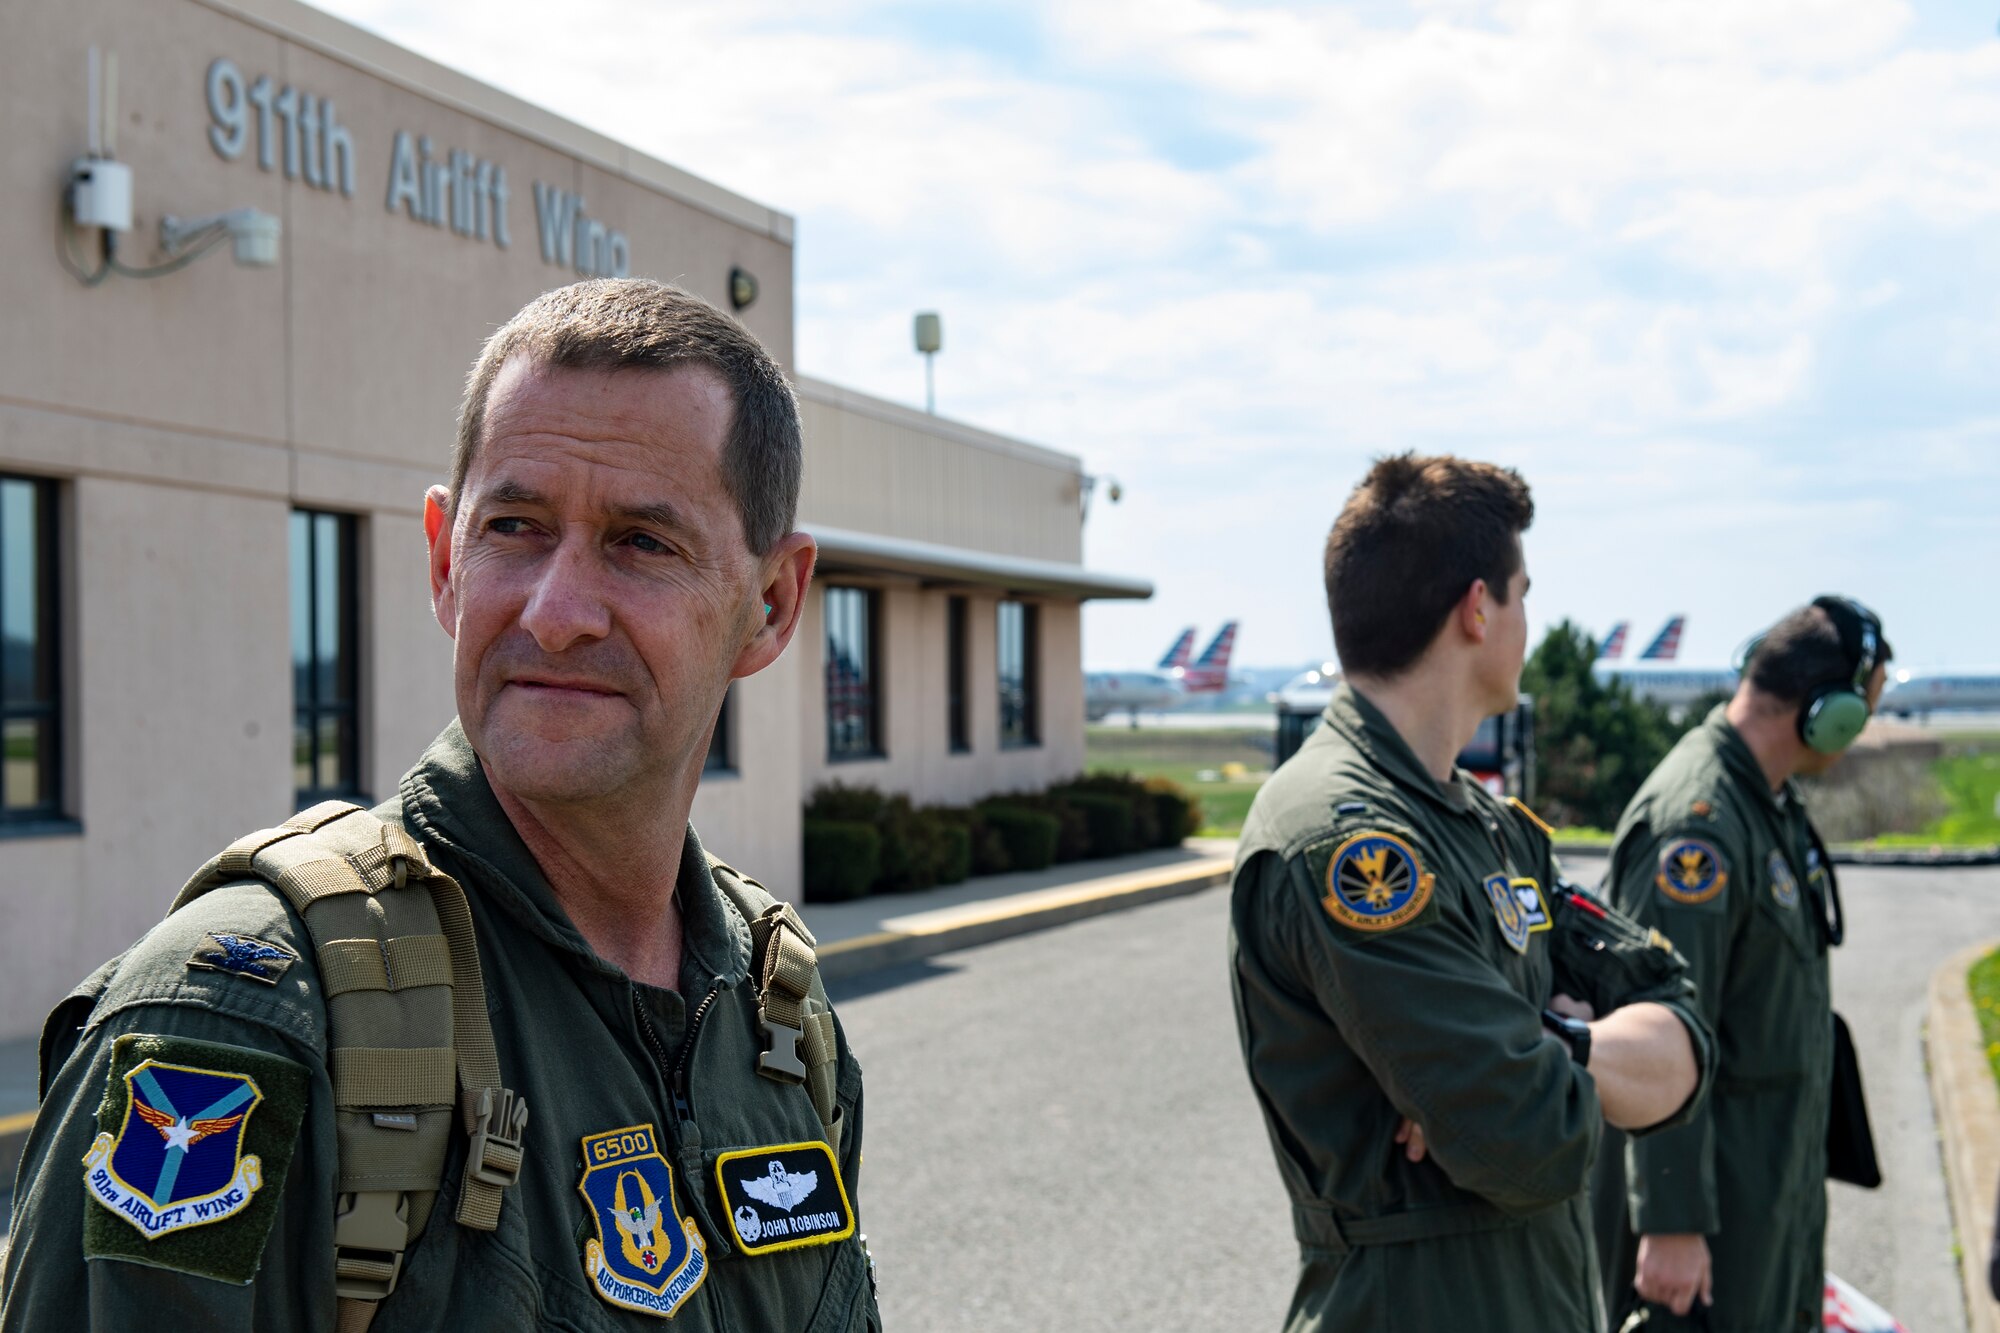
[
  {"x": 929, "y": 334},
  {"x": 742, "y": 288}
]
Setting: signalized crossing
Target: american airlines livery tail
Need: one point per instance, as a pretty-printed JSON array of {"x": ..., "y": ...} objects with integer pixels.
[
  {"x": 1177, "y": 656},
  {"x": 1613, "y": 646},
  {"x": 1667, "y": 645},
  {"x": 1210, "y": 672}
]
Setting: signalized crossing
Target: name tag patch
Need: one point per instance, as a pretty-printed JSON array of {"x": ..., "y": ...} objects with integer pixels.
[
  {"x": 646, "y": 1257},
  {"x": 243, "y": 956},
  {"x": 784, "y": 1197},
  {"x": 1784, "y": 884}
]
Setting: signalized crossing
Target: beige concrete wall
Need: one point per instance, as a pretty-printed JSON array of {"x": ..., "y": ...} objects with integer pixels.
[
  {"x": 881, "y": 468},
  {"x": 751, "y": 818},
  {"x": 917, "y": 760}
]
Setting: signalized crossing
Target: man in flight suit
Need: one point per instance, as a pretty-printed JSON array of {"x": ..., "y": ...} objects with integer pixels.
[
  {"x": 615, "y": 547},
  {"x": 1399, "y": 938},
  {"x": 1716, "y": 851}
]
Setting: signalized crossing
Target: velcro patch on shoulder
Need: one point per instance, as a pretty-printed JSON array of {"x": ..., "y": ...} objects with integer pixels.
[
  {"x": 1691, "y": 871},
  {"x": 1375, "y": 882},
  {"x": 194, "y": 1142},
  {"x": 784, "y": 1197},
  {"x": 244, "y": 956}
]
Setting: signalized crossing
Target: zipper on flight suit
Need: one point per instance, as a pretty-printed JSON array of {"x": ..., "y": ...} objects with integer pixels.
[{"x": 678, "y": 1084}]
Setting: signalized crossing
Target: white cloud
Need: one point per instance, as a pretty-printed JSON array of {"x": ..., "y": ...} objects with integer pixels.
[{"x": 1707, "y": 272}]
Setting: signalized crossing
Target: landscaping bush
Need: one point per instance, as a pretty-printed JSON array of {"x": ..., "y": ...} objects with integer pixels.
[
  {"x": 851, "y": 805},
  {"x": 1177, "y": 814},
  {"x": 954, "y": 836},
  {"x": 985, "y": 846},
  {"x": 1029, "y": 837},
  {"x": 1129, "y": 789},
  {"x": 1106, "y": 818},
  {"x": 842, "y": 859}
]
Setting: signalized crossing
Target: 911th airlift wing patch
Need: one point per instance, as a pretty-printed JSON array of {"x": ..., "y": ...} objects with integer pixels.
[
  {"x": 195, "y": 1139},
  {"x": 1691, "y": 871},
  {"x": 1375, "y": 882}
]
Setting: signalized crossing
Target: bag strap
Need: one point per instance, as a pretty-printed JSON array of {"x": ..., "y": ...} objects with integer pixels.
[
  {"x": 406, "y": 1030},
  {"x": 792, "y": 1009}
]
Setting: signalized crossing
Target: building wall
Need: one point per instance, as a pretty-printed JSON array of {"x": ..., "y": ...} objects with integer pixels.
[
  {"x": 880, "y": 468},
  {"x": 917, "y": 759}
]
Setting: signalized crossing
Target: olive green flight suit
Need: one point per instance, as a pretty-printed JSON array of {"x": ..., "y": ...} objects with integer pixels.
[
  {"x": 1748, "y": 1171},
  {"x": 1373, "y": 985},
  {"x": 590, "y": 1050}
]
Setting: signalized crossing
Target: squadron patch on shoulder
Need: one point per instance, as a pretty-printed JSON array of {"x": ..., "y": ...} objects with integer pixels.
[
  {"x": 784, "y": 1197},
  {"x": 1507, "y": 908},
  {"x": 1375, "y": 882},
  {"x": 192, "y": 1135},
  {"x": 1691, "y": 871},
  {"x": 243, "y": 956},
  {"x": 647, "y": 1257},
  {"x": 1784, "y": 884}
]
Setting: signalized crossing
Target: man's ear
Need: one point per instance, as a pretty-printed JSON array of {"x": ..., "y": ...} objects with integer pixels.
[
  {"x": 787, "y": 573},
  {"x": 437, "y": 539},
  {"x": 1471, "y": 612}
]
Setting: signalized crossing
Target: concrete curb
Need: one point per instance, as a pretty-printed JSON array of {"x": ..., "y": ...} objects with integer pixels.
[
  {"x": 1968, "y": 1117},
  {"x": 927, "y": 934}
]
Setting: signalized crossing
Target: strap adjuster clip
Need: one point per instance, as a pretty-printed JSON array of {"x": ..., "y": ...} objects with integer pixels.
[
  {"x": 494, "y": 1156},
  {"x": 782, "y": 1060}
]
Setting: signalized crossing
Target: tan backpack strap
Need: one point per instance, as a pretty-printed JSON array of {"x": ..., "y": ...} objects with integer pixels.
[
  {"x": 792, "y": 1009},
  {"x": 407, "y": 1029}
]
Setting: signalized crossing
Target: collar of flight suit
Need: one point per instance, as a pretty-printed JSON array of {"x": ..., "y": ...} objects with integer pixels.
[
  {"x": 1742, "y": 765},
  {"x": 447, "y": 797},
  {"x": 1368, "y": 728}
]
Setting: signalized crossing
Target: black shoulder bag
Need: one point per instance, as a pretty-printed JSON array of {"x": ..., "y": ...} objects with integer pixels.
[{"x": 1850, "y": 1142}]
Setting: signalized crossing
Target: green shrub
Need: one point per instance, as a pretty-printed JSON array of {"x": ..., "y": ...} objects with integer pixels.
[
  {"x": 1030, "y": 837},
  {"x": 1176, "y": 813},
  {"x": 851, "y": 805},
  {"x": 1072, "y": 830},
  {"x": 987, "y": 848},
  {"x": 955, "y": 838},
  {"x": 842, "y": 859},
  {"x": 1107, "y": 819},
  {"x": 1145, "y": 813},
  {"x": 909, "y": 860}
]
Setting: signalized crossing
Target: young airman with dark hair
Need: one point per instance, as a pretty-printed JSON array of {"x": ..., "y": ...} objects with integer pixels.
[{"x": 1436, "y": 1029}]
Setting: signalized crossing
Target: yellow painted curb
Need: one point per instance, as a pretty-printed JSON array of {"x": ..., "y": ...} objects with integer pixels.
[
  {"x": 1968, "y": 1118},
  {"x": 16, "y": 1124}
]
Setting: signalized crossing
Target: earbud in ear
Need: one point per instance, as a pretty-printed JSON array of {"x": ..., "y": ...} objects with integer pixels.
[{"x": 767, "y": 610}]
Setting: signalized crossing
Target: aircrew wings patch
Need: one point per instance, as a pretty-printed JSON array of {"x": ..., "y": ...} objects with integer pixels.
[
  {"x": 784, "y": 1197},
  {"x": 1691, "y": 871},
  {"x": 1375, "y": 882}
]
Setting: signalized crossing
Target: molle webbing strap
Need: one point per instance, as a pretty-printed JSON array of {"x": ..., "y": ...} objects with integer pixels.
[{"x": 406, "y": 1029}]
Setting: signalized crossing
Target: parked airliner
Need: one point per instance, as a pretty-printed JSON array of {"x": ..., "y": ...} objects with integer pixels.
[{"x": 1169, "y": 685}]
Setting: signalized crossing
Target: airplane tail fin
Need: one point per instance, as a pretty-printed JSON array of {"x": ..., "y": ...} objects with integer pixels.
[
  {"x": 1613, "y": 646},
  {"x": 1183, "y": 648},
  {"x": 1667, "y": 644},
  {"x": 1215, "y": 657}
]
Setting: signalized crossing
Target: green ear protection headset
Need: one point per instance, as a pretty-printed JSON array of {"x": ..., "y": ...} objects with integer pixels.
[{"x": 1834, "y": 713}]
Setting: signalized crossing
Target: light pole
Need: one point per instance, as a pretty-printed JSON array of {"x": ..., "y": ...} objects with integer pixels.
[{"x": 930, "y": 340}]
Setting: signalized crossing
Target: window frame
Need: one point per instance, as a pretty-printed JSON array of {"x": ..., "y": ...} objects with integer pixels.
[
  {"x": 347, "y": 591},
  {"x": 48, "y": 709},
  {"x": 957, "y": 668},
  {"x": 871, "y": 603},
  {"x": 1029, "y": 735}
]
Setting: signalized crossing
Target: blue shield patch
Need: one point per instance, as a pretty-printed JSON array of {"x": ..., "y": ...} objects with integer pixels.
[
  {"x": 1507, "y": 909},
  {"x": 1784, "y": 884},
  {"x": 646, "y": 1257},
  {"x": 1374, "y": 882},
  {"x": 177, "y": 1160}
]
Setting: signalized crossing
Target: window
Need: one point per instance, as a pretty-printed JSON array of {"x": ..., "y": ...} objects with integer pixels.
[
  {"x": 30, "y": 679},
  {"x": 1020, "y": 712},
  {"x": 720, "y": 742},
  {"x": 958, "y": 732},
  {"x": 326, "y": 722},
  {"x": 853, "y": 687}
]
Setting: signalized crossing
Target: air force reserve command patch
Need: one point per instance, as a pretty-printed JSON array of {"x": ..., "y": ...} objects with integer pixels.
[
  {"x": 1691, "y": 871},
  {"x": 1784, "y": 884},
  {"x": 646, "y": 1257},
  {"x": 1374, "y": 882},
  {"x": 193, "y": 1145},
  {"x": 784, "y": 1197},
  {"x": 1517, "y": 905}
]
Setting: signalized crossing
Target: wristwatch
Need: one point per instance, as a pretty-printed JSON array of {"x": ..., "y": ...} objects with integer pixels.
[{"x": 1573, "y": 1031}]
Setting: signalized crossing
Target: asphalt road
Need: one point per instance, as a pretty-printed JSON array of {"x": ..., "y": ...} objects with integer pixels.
[{"x": 1060, "y": 1135}]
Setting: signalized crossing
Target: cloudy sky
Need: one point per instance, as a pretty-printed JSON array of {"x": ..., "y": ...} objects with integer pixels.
[{"x": 1722, "y": 280}]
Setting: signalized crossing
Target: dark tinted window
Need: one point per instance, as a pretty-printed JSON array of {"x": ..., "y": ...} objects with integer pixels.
[
  {"x": 957, "y": 727},
  {"x": 326, "y": 722},
  {"x": 853, "y": 688},
  {"x": 1020, "y": 712},
  {"x": 30, "y": 681}
]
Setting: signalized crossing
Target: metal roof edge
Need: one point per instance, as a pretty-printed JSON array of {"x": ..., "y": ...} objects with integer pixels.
[
  {"x": 903, "y": 555},
  {"x": 830, "y": 394}
]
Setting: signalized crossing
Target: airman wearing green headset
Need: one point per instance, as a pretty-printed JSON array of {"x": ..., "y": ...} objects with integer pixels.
[{"x": 1720, "y": 1224}]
